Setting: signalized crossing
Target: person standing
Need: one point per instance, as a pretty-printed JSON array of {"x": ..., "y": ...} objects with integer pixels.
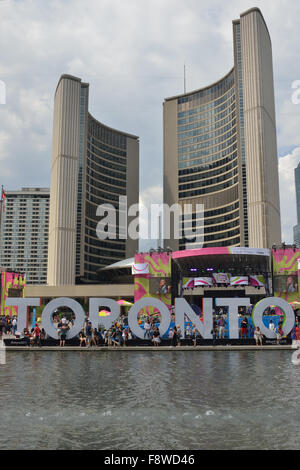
[
  {"x": 36, "y": 334},
  {"x": 88, "y": 331},
  {"x": 279, "y": 334},
  {"x": 109, "y": 337},
  {"x": 297, "y": 335},
  {"x": 221, "y": 325},
  {"x": 125, "y": 337},
  {"x": 14, "y": 325},
  {"x": 188, "y": 332},
  {"x": 178, "y": 335},
  {"x": 115, "y": 337},
  {"x": 214, "y": 335},
  {"x": 244, "y": 328},
  {"x": 95, "y": 337},
  {"x": 174, "y": 337},
  {"x": 147, "y": 327},
  {"x": 63, "y": 334},
  {"x": 272, "y": 326},
  {"x": 194, "y": 336}
]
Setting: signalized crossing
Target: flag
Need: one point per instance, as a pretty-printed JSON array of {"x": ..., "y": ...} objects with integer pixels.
[{"x": 3, "y": 197}]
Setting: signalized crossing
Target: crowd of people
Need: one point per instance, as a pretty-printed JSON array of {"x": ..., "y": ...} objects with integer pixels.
[
  {"x": 33, "y": 336},
  {"x": 120, "y": 334}
]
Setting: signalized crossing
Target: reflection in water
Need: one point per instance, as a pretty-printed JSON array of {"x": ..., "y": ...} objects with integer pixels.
[{"x": 149, "y": 400}]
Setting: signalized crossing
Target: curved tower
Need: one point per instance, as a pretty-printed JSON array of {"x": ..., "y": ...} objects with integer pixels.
[
  {"x": 220, "y": 148},
  {"x": 92, "y": 165}
]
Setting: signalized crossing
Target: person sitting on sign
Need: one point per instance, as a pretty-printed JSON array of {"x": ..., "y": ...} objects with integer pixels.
[
  {"x": 156, "y": 337},
  {"x": 82, "y": 337},
  {"x": 258, "y": 336}
]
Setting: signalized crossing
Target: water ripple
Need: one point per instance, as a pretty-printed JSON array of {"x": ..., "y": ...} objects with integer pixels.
[{"x": 145, "y": 400}]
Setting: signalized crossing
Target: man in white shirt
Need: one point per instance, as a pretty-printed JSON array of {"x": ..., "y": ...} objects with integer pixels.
[
  {"x": 14, "y": 325},
  {"x": 147, "y": 329}
]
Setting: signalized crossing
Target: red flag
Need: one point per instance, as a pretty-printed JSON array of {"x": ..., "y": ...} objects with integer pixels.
[{"x": 3, "y": 197}]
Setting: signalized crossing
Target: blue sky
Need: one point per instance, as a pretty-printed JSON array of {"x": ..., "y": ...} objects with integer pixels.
[{"x": 132, "y": 53}]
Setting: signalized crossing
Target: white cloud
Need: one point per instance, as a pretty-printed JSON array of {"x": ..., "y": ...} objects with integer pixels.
[
  {"x": 132, "y": 54},
  {"x": 287, "y": 165}
]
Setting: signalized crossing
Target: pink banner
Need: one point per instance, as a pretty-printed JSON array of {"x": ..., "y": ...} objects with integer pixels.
[{"x": 203, "y": 281}]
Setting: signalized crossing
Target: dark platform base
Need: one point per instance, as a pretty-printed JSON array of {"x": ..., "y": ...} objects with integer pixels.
[{"x": 165, "y": 342}]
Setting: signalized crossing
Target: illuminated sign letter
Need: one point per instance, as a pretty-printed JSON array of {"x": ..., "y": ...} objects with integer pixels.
[
  {"x": 260, "y": 307},
  {"x": 22, "y": 305},
  {"x": 233, "y": 317},
  {"x": 54, "y": 305},
  {"x": 182, "y": 308},
  {"x": 108, "y": 321},
  {"x": 148, "y": 302}
]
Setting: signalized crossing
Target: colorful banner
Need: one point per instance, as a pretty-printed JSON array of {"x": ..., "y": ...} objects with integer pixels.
[
  {"x": 140, "y": 268},
  {"x": 239, "y": 281},
  {"x": 237, "y": 250},
  {"x": 221, "y": 278},
  {"x": 159, "y": 267},
  {"x": 257, "y": 281},
  {"x": 188, "y": 283},
  {"x": 159, "y": 263},
  {"x": 203, "y": 281},
  {"x": 12, "y": 285},
  {"x": 234, "y": 250},
  {"x": 286, "y": 273}
]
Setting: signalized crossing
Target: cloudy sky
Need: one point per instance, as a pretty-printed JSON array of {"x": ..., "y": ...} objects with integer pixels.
[{"x": 132, "y": 53}]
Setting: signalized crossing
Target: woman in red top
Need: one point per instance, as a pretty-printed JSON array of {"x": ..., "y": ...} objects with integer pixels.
[
  {"x": 244, "y": 328},
  {"x": 37, "y": 332}
]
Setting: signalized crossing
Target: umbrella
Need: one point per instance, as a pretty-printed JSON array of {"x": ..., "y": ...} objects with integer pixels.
[
  {"x": 124, "y": 303},
  {"x": 104, "y": 313}
]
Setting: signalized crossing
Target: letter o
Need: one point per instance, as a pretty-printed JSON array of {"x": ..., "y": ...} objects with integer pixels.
[
  {"x": 148, "y": 302},
  {"x": 261, "y": 306},
  {"x": 63, "y": 302}
]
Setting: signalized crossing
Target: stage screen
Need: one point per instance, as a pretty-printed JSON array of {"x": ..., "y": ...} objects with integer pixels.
[{"x": 286, "y": 273}]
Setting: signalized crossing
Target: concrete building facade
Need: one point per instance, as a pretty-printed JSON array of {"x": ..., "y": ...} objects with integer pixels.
[
  {"x": 220, "y": 148},
  {"x": 24, "y": 233},
  {"x": 92, "y": 164}
]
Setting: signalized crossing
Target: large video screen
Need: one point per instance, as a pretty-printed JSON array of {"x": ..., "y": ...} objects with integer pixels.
[{"x": 286, "y": 273}]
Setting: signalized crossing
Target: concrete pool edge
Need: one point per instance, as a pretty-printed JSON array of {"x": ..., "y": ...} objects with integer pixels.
[{"x": 151, "y": 348}]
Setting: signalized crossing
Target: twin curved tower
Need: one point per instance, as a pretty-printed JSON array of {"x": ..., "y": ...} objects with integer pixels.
[
  {"x": 92, "y": 165},
  {"x": 220, "y": 150},
  {"x": 220, "y": 147}
]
